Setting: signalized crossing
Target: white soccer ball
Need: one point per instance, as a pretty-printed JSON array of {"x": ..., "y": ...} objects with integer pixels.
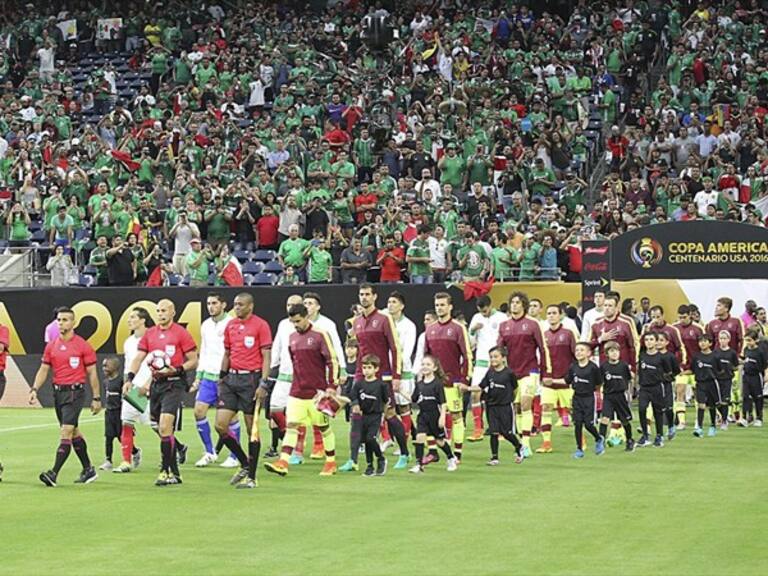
[{"x": 158, "y": 360}]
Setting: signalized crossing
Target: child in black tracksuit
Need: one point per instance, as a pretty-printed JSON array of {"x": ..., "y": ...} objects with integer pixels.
[
  {"x": 113, "y": 390},
  {"x": 584, "y": 377},
  {"x": 653, "y": 370},
  {"x": 498, "y": 391},
  {"x": 755, "y": 366},
  {"x": 729, "y": 364},
  {"x": 670, "y": 361},
  {"x": 369, "y": 396},
  {"x": 705, "y": 366},
  {"x": 616, "y": 381}
]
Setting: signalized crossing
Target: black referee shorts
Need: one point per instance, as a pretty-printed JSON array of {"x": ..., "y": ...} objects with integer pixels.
[
  {"x": 166, "y": 397},
  {"x": 68, "y": 402},
  {"x": 429, "y": 423},
  {"x": 113, "y": 425},
  {"x": 501, "y": 420},
  {"x": 706, "y": 393},
  {"x": 370, "y": 426},
  {"x": 583, "y": 409},
  {"x": 237, "y": 391},
  {"x": 615, "y": 405}
]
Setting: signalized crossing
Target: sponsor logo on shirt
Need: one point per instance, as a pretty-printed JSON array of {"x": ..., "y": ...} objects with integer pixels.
[
  {"x": 74, "y": 361},
  {"x": 249, "y": 341}
]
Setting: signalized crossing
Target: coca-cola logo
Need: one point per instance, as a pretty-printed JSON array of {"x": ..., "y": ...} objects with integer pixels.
[{"x": 596, "y": 267}]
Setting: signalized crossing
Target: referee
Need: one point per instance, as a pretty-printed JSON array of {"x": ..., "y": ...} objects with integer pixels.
[
  {"x": 72, "y": 360},
  {"x": 169, "y": 385},
  {"x": 4, "y": 342},
  {"x": 247, "y": 349}
]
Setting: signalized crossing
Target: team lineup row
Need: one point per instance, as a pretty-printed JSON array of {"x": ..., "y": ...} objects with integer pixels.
[{"x": 496, "y": 365}]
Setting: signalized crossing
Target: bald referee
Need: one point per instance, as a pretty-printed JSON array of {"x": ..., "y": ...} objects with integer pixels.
[{"x": 72, "y": 360}]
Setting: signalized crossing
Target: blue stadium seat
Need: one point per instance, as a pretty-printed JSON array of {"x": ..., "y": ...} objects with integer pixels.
[
  {"x": 174, "y": 279},
  {"x": 247, "y": 279},
  {"x": 264, "y": 279},
  {"x": 212, "y": 279},
  {"x": 273, "y": 266},
  {"x": 242, "y": 255},
  {"x": 253, "y": 267},
  {"x": 263, "y": 255},
  {"x": 89, "y": 270}
]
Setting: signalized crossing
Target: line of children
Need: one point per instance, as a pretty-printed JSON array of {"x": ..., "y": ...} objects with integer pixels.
[
  {"x": 653, "y": 370},
  {"x": 755, "y": 374}
]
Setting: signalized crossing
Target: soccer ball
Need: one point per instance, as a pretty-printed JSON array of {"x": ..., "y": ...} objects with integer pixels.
[{"x": 158, "y": 360}]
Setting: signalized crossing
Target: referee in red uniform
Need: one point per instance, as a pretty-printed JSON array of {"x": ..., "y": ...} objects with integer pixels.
[
  {"x": 72, "y": 360},
  {"x": 247, "y": 349},
  {"x": 169, "y": 385}
]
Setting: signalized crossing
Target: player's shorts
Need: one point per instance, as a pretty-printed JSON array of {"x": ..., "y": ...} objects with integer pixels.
[
  {"x": 279, "y": 398},
  {"x": 129, "y": 414},
  {"x": 553, "y": 396},
  {"x": 686, "y": 379},
  {"x": 669, "y": 395},
  {"x": 583, "y": 409},
  {"x": 527, "y": 386},
  {"x": 113, "y": 424},
  {"x": 501, "y": 419},
  {"x": 615, "y": 405},
  {"x": 454, "y": 399},
  {"x": 2, "y": 384},
  {"x": 166, "y": 397},
  {"x": 479, "y": 371},
  {"x": 237, "y": 391},
  {"x": 653, "y": 396},
  {"x": 208, "y": 392},
  {"x": 370, "y": 426},
  {"x": 68, "y": 402},
  {"x": 429, "y": 423},
  {"x": 303, "y": 412},
  {"x": 406, "y": 391},
  {"x": 707, "y": 393},
  {"x": 724, "y": 388}
]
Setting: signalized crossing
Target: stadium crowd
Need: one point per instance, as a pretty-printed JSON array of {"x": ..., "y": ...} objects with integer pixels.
[{"x": 356, "y": 141}]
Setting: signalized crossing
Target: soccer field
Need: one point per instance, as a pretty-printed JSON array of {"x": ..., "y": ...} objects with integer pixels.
[{"x": 695, "y": 506}]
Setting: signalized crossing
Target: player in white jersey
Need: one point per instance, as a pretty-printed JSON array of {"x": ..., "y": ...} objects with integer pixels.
[
  {"x": 138, "y": 322},
  {"x": 589, "y": 317},
  {"x": 406, "y": 335},
  {"x": 313, "y": 304},
  {"x": 207, "y": 378},
  {"x": 483, "y": 334},
  {"x": 429, "y": 318},
  {"x": 281, "y": 370}
]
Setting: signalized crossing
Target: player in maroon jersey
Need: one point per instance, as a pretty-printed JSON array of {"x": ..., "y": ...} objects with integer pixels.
[
  {"x": 315, "y": 373},
  {"x": 528, "y": 359},
  {"x": 168, "y": 385},
  {"x": 690, "y": 332},
  {"x": 448, "y": 341},
  {"x": 376, "y": 335},
  {"x": 73, "y": 361},
  {"x": 723, "y": 321},
  {"x": 659, "y": 324}
]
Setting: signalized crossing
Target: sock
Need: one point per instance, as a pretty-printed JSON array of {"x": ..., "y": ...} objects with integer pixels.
[
  {"x": 536, "y": 409},
  {"x": 384, "y": 431},
  {"x": 495, "y": 446},
  {"x": 448, "y": 428},
  {"x": 724, "y": 412},
  {"x": 166, "y": 450},
  {"x": 301, "y": 438},
  {"x": 174, "y": 450},
  {"x": 670, "y": 417},
  {"x": 355, "y": 431},
  {"x": 627, "y": 430},
  {"x": 477, "y": 416},
  {"x": 515, "y": 442},
  {"x": 329, "y": 444},
  {"x": 603, "y": 429},
  {"x": 234, "y": 430},
  {"x": 713, "y": 416},
  {"x": 81, "y": 449},
  {"x": 289, "y": 443},
  {"x": 62, "y": 453},
  {"x": 407, "y": 423},
  {"x": 592, "y": 430},
  {"x": 126, "y": 442},
  {"x": 369, "y": 442},
  {"x": 276, "y": 435},
  {"x": 578, "y": 433},
  {"x": 237, "y": 451},
  {"x": 562, "y": 412},
  {"x": 419, "y": 448},
  {"x": 317, "y": 445},
  {"x": 458, "y": 437},
  {"x": 759, "y": 408},
  {"x": 432, "y": 445},
  {"x": 397, "y": 431},
  {"x": 700, "y": 417},
  {"x": 446, "y": 448},
  {"x": 643, "y": 421},
  {"x": 109, "y": 448},
  {"x": 526, "y": 422},
  {"x": 219, "y": 446},
  {"x": 546, "y": 426},
  {"x": 204, "y": 430},
  {"x": 680, "y": 412},
  {"x": 253, "y": 458},
  {"x": 279, "y": 419}
]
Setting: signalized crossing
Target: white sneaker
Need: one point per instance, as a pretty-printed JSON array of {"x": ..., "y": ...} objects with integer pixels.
[
  {"x": 453, "y": 465},
  {"x": 207, "y": 459},
  {"x": 396, "y": 451},
  {"x": 107, "y": 466},
  {"x": 743, "y": 423},
  {"x": 757, "y": 423},
  {"x": 384, "y": 445},
  {"x": 416, "y": 469},
  {"x": 230, "y": 462}
]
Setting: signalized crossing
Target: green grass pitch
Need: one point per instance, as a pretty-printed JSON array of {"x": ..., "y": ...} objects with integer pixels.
[{"x": 697, "y": 506}]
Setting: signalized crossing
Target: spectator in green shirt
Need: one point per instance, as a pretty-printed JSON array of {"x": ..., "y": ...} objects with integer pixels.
[
  {"x": 98, "y": 260},
  {"x": 18, "y": 226},
  {"x": 197, "y": 263},
  {"x": 418, "y": 257},
  {"x": 292, "y": 250},
  {"x": 473, "y": 260},
  {"x": 504, "y": 259},
  {"x": 541, "y": 179},
  {"x": 320, "y": 262},
  {"x": 62, "y": 228}
]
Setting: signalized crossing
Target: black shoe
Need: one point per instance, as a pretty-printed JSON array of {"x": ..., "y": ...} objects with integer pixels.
[
  {"x": 48, "y": 478},
  {"x": 181, "y": 453},
  {"x": 381, "y": 467},
  {"x": 87, "y": 476},
  {"x": 368, "y": 471},
  {"x": 487, "y": 432},
  {"x": 1, "y": 471},
  {"x": 630, "y": 446},
  {"x": 173, "y": 479},
  {"x": 271, "y": 453}
]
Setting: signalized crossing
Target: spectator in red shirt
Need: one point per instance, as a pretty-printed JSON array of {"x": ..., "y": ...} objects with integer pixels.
[
  {"x": 267, "y": 227},
  {"x": 364, "y": 201},
  {"x": 391, "y": 259}
]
